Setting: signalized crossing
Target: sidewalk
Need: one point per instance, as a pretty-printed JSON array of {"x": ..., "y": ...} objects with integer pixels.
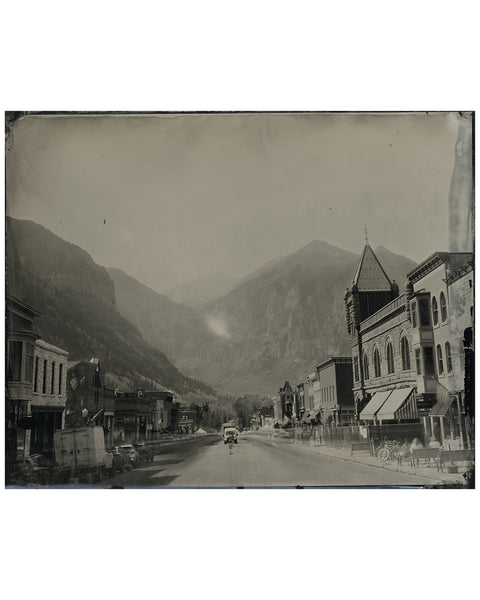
[
  {"x": 428, "y": 471},
  {"x": 424, "y": 472}
]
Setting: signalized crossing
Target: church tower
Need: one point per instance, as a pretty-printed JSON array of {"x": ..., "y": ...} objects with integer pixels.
[{"x": 371, "y": 290}]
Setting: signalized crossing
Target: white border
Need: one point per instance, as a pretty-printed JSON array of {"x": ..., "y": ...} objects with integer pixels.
[{"x": 245, "y": 56}]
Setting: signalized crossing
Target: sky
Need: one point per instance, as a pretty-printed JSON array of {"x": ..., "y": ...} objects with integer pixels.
[{"x": 169, "y": 198}]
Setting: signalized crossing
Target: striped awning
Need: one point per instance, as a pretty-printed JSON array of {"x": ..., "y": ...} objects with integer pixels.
[
  {"x": 375, "y": 404},
  {"x": 396, "y": 400}
]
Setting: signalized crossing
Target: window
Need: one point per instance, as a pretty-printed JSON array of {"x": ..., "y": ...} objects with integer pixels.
[
  {"x": 424, "y": 312},
  {"x": 448, "y": 357},
  {"x": 366, "y": 374},
  {"x": 44, "y": 385},
  {"x": 60, "y": 375},
  {"x": 413, "y": 307},
  {"x": 14, "y": 361},
  {"x": 376, "y": 362},
  {"x": 52, "y": 390},
  {"x": 405, "y": 348},
  {"x": 435, "y": 311},
  {"x": 418, "y": 361},
  {"x": 390, "y": 364},
  {"x": 443, "y": 306},
  {"x": 35, "y": 383},
  {"x": 439, "y": 359},
  {"x": 355, "y": 365},
  {"x": 428, "y": 360},
  {"x": 28, "y": 363}
]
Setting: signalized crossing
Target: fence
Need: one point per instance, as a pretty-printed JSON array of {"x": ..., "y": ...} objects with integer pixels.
[
  {"x": 397, "y": 431},
  {"x": 341, "y": 437}
]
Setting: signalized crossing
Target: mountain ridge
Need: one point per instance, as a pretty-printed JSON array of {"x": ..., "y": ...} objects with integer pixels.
[
  {"x": 77, "y": 299},
  {"x": 277, "y": 323}
]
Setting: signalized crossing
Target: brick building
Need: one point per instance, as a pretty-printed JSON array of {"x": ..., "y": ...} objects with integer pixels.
[
  {"x": 336, "y": 396},
  {"x": 88, "y": 400}
]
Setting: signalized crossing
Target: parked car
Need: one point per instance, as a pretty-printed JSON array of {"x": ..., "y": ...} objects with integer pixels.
[
  {"x": 145, "y": 453},
  {"x": 131, "y": 452},
  {"x": 120, "y": 460}
]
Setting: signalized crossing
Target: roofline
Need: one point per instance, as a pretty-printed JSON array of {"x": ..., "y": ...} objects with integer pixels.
[
  {"x": 432, "y": 262},
  {"x": 335, "y": 359},
  {"x": 47, "y": 346},
  {"x": 13, "y": 300},
  {"x": 357, "y": 272}
]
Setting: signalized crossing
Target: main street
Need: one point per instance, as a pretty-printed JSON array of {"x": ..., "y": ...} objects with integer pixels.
[{"x": 205, "y": 462}]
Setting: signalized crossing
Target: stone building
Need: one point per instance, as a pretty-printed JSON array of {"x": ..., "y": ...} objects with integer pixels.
[
  {"x": 409, "y": 354},
  {"x": 378, "y": 324}
]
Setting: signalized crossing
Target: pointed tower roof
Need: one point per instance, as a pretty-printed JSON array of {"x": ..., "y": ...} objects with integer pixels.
[{"x": 370, "y": 276}]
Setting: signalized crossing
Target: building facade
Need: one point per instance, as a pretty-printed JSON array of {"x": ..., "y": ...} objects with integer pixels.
[
  {"x": 409, "y": 354},
  {"x": 335, "y": 382},
  {"x": 48, "y": 397},
  {"x": 285, "y": 406},
  {"x": 36, "y": 385},
  {"x": 441, "y": 309}
]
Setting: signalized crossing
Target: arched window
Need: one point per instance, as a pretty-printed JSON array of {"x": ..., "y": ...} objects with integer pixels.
[
  {"x": 366, "y": 374},
  {"x": 390, "y": 365},
  {"x": 435, "y": 311},
  {"x": 439, "y": 359},
  {"x": 443, "y": 306},
  {"x": 376, "y": 362},
  {"x": 405, "y": 348},
  {"x": 448, "y": 357}
]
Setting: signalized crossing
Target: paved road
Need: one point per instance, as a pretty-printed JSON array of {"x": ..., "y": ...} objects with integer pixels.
[{"x": 255, "y": 462}]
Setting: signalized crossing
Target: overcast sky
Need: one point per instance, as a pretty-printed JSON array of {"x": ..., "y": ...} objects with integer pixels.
[{"x": 169, "y": 198}]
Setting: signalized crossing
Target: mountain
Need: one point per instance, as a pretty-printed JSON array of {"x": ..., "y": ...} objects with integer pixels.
[
  {"x": 202, "y": 290},
  {"x": 276, "y": 324},
  {"x": 77, "y": 299},
  {"x": 395, "y": 266},
  {"x": 174, "y": 328}
]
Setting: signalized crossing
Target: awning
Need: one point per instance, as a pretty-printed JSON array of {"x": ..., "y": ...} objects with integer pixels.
[
  {"x": 393, "y": 403},
  {"x": 440, "y": 409},
  {"x": 375, "y": 404}
]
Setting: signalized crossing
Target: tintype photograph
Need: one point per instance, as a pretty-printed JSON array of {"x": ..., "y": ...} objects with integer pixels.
[{"x": 239, "y": 300}]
